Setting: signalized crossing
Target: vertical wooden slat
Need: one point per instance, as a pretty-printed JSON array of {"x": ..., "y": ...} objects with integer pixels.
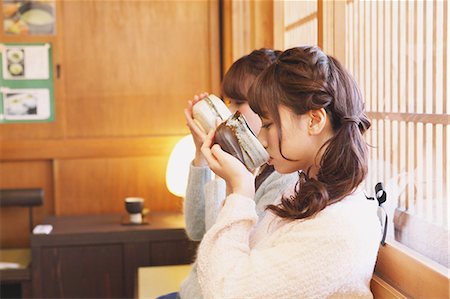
[
  {"x": 416, "y": 58},
  {"x": 433, "y": 65},
  {"x": 439, "y": 64},
  {"x": 395, "y": 144},
  {"x": 411, "y": 57},
  {"x": 389, "y": 61},
  {"x": 381, "y": 145},
  {"x": 446, "y": 163},
  {"x": 434, "y": 178},
  {"x": 420, "y": 93},
  {"x": 362, "y": 49},
  {"x": 439, "y": 11},
  {"x": 386, "y": 101},
  {"x": 327, "y": 26},
  {"x": 214, "y": 42},
  {"x": 339, "y": 30},
  {"x": 251, "y": 25},
  {"x": 347, "y": 37},
  {"x": 402, "y": 56},
  {"x": 373, "y": 55},
  {"x": 262, "y": 24},
  {"x": 388, "y": 152},
  {"x": 429, "y": 57},
  {"x": 412, "y": 99},
  {"x": 411, "y": 165},
  {"x": 395, "y": 57},
  {"x": 405, "y": 101},
  {"x": 240, "y": 24},
  {"x": 401, "y": 151},
  {"x": 386, "y": 56},
  {"x": 278, "y": 22},
  {"x": 227, "y": 35},
  {"x": 349, "y": 25},
  {"x": 392, "y": 83},
  {"x": 320, "y": 23},
  {"x": 420, "y": 169},
  {"x": 440, "y": 175},
  {"x": 435, "y": 201},
  {"x": 429, "y": 171},
  {"x": 375, "y": 152},
  {"x": 446, "y": 60},
  {"x": 424, "y": 60},
  {"x": 380, "y": 57},
  {"x": 445, "y": 93},
  {"x": 372, "y": 86},
  {"x": 355, "y": 33},
  {"x": 368, "y": 52}
]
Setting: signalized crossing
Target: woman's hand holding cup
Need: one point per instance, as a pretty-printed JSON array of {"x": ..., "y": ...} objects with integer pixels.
[{"x": 236, "y": 175}]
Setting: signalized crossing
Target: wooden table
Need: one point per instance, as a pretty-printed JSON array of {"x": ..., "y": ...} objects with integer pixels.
[{"x": 96, "y": 256}]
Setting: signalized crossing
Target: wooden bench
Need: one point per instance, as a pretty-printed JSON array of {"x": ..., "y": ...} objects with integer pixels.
[
  {"x": 156, "y": 281},
  {"x": 381, "y": 289},
  {"x": 17, "y": 270}
]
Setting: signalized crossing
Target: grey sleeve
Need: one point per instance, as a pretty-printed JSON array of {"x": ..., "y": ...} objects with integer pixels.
[
  {"x": 272, "y": 188},
  {"x": 194, "y": 202},
  {"x": 215, "y": 193}
]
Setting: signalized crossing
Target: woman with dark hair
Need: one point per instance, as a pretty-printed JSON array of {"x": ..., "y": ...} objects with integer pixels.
[
  {"x": 204, "y": 195},
  {"x": 321, "y": 239}
]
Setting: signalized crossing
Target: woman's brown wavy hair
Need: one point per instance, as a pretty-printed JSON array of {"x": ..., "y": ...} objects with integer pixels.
[
  {"x": 304, "y": 79},
  {"x": 243, "y": 72}
]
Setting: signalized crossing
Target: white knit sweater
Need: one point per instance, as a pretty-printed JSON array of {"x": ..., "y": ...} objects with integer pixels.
[
  {"x": 330, "y": 255},
  {"x": 203, "y": 202}
]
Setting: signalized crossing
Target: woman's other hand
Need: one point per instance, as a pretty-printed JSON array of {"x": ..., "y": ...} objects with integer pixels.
[
  {"x": 236, "y": 175},
  {"x": 197, "y": 134}
]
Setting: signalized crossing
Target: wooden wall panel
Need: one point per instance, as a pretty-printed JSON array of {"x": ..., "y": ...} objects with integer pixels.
[
  {"x": 127, "y": 71},
  {"x": 99, "y": 186},
  {"x": 137, "y": 65},
  {"x": 14, "y": 220}
]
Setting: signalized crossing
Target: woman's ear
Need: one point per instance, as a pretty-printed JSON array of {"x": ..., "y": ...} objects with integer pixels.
[{"x": 317, "y": 121}]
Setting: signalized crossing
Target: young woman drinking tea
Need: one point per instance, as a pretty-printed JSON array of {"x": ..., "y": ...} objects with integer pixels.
[
  {"x": 204, "y": 195},
  {"x": 321, "y": 239}
]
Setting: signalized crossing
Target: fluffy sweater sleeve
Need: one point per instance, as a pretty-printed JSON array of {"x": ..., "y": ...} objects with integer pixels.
[{"x": 330, "y": 254}]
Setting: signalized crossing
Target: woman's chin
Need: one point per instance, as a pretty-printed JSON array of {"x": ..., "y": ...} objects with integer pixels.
[
  {"x": 282, "y": 168},
  {"x": 278, "y": 169}
]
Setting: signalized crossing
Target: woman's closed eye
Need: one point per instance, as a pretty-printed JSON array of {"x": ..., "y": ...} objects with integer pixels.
[
  {"x": 237, "y": 103},
  {"x": 266, "y": 125}
]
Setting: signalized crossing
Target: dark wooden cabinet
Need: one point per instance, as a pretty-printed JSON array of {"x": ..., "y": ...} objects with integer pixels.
[{"x": 97, "y": 256}]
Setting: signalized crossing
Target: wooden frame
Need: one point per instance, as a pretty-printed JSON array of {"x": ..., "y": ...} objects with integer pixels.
[
  {"x": 400, "y": 269},
  {"x": 399, "y": 272},
  {"x": 331, "y": 17},
  {"x": 246, "y": 25},
  {"x": 21, "y": 150}
]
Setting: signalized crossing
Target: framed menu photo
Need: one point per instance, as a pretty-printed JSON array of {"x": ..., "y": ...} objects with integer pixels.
[
  {"x": 24, "y": 17},
  {"x": 26, "y": 83}
]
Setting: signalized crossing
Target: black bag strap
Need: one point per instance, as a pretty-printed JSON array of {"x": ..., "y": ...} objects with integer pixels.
[{"x": 381, "y": 196}]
